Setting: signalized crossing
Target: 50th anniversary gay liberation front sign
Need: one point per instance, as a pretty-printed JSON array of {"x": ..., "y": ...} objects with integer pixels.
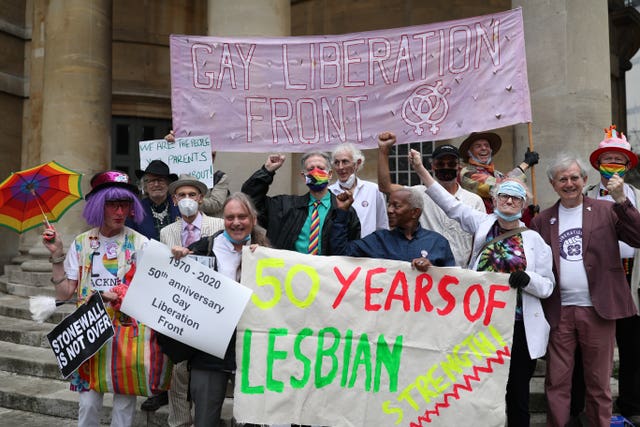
[{"x": 339, "y": 341}]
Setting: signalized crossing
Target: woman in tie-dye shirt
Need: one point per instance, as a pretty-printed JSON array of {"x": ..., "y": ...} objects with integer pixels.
[{"x": 502, "y": 244}]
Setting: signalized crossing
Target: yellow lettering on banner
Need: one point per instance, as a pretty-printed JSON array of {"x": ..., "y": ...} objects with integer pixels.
[
  {"x": 263, "y": 280},
  {"x": 315, "y": 285},
  {"x": 432, "y": 386},
  {"x": 272, "y": 281}
]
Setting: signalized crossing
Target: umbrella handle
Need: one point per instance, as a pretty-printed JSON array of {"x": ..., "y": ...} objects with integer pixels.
[{"x": 47, "y": 224}]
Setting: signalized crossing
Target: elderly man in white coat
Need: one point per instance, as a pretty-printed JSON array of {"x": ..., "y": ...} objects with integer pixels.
[
  {"x": 502, "y": 244},
  {"x": 187, "y": 193}
]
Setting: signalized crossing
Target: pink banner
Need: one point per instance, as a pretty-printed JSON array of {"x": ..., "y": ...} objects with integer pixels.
[{"x": 296, "y": 94}]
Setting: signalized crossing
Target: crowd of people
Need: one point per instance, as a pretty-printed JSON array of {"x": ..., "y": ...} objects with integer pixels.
[{"x": 572, "y": 265}]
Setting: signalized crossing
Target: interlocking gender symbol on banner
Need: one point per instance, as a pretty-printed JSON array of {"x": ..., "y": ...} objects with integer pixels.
[{"x": 426, "y": 104}]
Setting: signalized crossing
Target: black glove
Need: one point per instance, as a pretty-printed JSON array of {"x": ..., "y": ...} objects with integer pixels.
[
  {"x": 531, "y": 157},
  {"x": 519, "y": 279}
]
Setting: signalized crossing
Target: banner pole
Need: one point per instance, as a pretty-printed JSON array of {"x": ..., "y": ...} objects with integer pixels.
[{"x": 533, "y": 168}]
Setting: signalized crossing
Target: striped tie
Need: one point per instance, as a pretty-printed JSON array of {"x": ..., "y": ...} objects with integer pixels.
[
  {"x": 191, "y": 235},
  {"x": 314, "y": 230}
]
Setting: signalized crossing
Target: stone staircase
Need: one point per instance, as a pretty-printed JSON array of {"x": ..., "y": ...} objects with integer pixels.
[{"x": 32, "y": 391}]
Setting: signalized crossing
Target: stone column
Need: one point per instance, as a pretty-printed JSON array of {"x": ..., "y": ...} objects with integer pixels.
[
  {"x": 252, "y": 18},
  {"x": 76, "y": 96},
  {"x": 569, "y": 80}
]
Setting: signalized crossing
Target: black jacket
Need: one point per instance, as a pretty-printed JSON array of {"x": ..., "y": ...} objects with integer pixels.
[
  {"x": 200, "y": 359},
  {"x": 284, "y": 216}
]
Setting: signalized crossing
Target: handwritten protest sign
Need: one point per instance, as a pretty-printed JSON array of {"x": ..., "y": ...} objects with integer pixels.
[
  {"x": 190, "y": 155},
  {"x": 81, "y": 334},
  {"x": 340, "y": 341},
  {"x": 295, "y": 94},
  {"x": 185, "y": 300}
]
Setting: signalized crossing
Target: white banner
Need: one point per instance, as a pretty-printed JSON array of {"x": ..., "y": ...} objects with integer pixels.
[
  {"x": 190, "y": 155},
  {"x": 338, "y": 341},
  {"x": 185, "y": 300}
]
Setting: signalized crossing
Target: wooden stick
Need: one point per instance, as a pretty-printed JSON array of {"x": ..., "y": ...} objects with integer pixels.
[{"x": 533, "y": 168}]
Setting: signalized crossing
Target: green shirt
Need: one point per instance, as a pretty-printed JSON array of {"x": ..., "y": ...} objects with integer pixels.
[{"x": 302, "y": 244}]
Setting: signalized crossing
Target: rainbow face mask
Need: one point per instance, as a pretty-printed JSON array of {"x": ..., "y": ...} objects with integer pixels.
[
  {"x": 317, "y": 179},
  {"x": 608, "y": 169}
]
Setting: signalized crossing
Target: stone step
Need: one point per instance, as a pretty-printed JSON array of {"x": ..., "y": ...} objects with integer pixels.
[
  {"x": 40, "y": 279},
  {"x": 14, "y": 417},
  {"x": 24, "y": 332},
  {"x": 18, "y": 307},
  {"x": 27, "y": 290},
  {"x": 52, "y": 398},
  {"x": 28, "y": 360}
]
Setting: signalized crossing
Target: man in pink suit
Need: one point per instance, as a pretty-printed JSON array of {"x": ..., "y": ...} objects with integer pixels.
[{"x": 591, "y": 291}]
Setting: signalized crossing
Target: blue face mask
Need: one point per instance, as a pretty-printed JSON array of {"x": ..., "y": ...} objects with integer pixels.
[
  {"x": 508, "y": 217},
  {"x": 236, "y": 242}
]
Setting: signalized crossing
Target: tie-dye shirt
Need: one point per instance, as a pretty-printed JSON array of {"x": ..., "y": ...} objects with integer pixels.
[{"x": 504, "y": 256}]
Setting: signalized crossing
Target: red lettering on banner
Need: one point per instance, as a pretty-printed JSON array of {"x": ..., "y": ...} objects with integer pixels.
[
  {"x": 202, "y": 63},
  {"x": 446, "y": 295},
  {"x": 377, "y": 55},
  {"x": 330, "y": 59},
  {"x": 304, "y": 115},
  {"x": 369, "y": 290},
  {"x": 403, "y": 57},
  {"x": 465, "y": 51},
  {"x": 345, "y": 284},
  {"x": 422, "y": 293},
  {"x": 493, "y": 302},
  {"x": 477, "y": 289},
  {"x": 348, "y": 60},
  {"x": 475, "y": 303},
  {"x": 400, "y": 278},
  {"x": 285, "y": 71}
]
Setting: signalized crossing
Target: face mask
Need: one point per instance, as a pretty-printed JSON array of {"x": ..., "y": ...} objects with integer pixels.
[
  {"x": 488, "y": 162},
  {"x": 188, "y": 207},
  {"x": 508, "y": 217},
  {"x": 608, "y": 169},
  {"x": 317, "y": 179},
  {"x": 349, "y": 182},
  {"x": 446, "y": 174}
]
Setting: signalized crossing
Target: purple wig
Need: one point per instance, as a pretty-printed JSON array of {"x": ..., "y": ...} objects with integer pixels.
[{"x": 93, "y": 211}]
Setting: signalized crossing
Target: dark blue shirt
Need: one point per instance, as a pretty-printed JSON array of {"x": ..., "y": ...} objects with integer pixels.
[
  {"x": 391, "y": 244},
  {"x": 150, "y": 226}
]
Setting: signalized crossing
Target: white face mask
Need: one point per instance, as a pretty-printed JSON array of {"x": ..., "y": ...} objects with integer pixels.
[
  {"x": 188, "y": 207},
  {"x": 350, "y": 181}
]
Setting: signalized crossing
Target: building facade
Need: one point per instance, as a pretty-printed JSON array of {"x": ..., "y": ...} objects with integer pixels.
[{"x": 82, "y": 81}]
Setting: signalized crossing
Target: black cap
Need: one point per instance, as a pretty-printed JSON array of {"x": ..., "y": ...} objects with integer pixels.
[{"x": 445, "y": 150}]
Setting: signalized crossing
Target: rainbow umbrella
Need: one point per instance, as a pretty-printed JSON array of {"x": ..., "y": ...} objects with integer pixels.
[{"x": 38, "y": 195}]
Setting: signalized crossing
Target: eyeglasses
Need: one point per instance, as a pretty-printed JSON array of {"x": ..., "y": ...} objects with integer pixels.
[
  {"x": 114, "y": 205},
  {"x": 514, "y": 199},
  {"x": 155, "y": 181}
]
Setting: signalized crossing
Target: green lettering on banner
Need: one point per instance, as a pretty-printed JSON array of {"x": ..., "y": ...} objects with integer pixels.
[
  {"x": 362, "y": 357},
  {"x": 306, "y": 362},
  {"x": 320, "y": 380},
  {"x": 246, "y": 362},
  {"x": 390, "y": 360},
  {"x": 272, "y": 355},
  {"x": 348, "y": 340}
]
